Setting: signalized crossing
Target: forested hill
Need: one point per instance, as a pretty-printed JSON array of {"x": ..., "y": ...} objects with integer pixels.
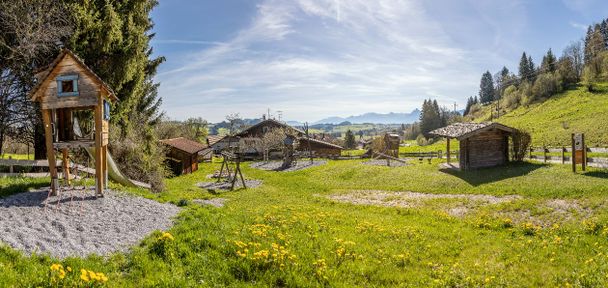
[{"x": 552, "y": 121}]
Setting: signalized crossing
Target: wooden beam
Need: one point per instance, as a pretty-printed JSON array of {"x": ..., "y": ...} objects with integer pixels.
[
  {"x": 50, "y": 152},
  {"x": 99, "y": 172},
  {"x": 448, "y": 155},
  {"x": 65, "y": 165}
]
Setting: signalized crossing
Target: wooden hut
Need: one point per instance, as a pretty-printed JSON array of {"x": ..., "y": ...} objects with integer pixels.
[
  {"x": 319, "y": 148},
  {"x": 182, "y": 155},
  {"x": 481, "y": 144},
  {"x": 66, "y": 90}
]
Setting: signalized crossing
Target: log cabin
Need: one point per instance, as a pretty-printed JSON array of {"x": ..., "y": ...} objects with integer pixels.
[
  {"x": 182, "y": 155},
  {"x": 481, "y": 144}
]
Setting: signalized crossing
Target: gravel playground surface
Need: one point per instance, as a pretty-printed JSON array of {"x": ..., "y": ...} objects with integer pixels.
[
  {"x": 276, "y": 165},
  {"x": 82, "y": 226}
]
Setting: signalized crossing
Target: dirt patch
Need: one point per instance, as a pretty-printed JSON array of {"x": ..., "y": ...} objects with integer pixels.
[
  {"x": 454, "y": 204},
  {"x": 223, "y": 185},
  {"x": 75, "y": 223},
  {"x": 381, "y": 162},
  {"x": 215, "y": 202},
  {"x": 549, "y": 212},
  {"x": 276, "y": 165}
]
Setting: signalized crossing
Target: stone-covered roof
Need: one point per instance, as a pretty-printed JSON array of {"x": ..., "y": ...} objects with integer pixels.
[
  {"x": 465, "y": 130},
  {"x": 269, "y": 121},
  {"x": 212, "y": 139},
  {"x": 183, "y": 144},
  {"x": 312, "y": 140}
]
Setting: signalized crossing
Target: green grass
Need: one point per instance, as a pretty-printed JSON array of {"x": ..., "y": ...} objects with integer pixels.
[
  {"x": 319, "y": 242},
  {"x": 552, "y": 121},
  {"x": 17, "y": 156},
  {"x": 439, "y": 145}
]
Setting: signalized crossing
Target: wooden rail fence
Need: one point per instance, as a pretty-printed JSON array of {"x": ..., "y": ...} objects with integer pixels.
[{"x": 600, "y": 162}]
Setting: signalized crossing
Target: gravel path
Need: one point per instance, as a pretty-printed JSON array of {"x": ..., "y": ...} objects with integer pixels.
[
  {"x": 112, "y": 223},
  {"x": 276, "y": 165},
  {"x": 382, "y": 162},
  {"x": 226, "y": 185}
]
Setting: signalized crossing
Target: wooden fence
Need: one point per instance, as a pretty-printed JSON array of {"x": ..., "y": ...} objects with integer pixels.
[{"x": 563, "y": 158}]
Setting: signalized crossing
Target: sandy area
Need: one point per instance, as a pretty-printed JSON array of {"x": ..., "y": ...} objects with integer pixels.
[
  {"x": 80, "y": 226},
  {"x": 464, "y": 202},
  {"x": 276, "y": 165}
]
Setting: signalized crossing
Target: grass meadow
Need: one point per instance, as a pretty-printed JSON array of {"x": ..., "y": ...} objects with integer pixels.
[{"x": 288, "y": 233}]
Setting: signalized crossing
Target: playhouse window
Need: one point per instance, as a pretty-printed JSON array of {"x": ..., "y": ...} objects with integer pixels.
[
  {"x": 67, "y": 85},
  {"x": 106, "y": 110}
]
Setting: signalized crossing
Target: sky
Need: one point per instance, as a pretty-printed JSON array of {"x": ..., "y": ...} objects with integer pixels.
[{"x": 313, "y": 59}]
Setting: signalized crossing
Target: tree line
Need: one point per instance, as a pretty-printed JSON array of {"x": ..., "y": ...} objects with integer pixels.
[
  {"x": 583, "y": 62},
  {"x": 113, "y": 39}
]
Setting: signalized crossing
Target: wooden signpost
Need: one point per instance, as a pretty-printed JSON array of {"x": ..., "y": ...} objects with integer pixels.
[{"x": 579, "y": 151}]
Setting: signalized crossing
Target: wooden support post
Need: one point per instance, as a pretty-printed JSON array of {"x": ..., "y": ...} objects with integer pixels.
[
  {"x": 65, "y": 165},
  {"x": 99, "y": 157},
  {"x": 531, "y": 152},
  {"x": 573, "y": 156},
  {"x": 545, "y": 154},
  {"x": 584, "y": 153},
  {"x": 50, "y": 152},
  {"x": 105, "y": 166},
  {"x": 563, "y": 155},
  {"x": 448, "y": 153}
]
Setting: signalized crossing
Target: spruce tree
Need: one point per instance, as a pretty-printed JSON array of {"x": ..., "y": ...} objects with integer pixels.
[
  {"x": 532, "y": 69},
  {"x": 486, "y": 88},
  {"x": 549, "y": 62},
  {"x": 524, "y": 67},
  {"x": 349, "y": 140}
]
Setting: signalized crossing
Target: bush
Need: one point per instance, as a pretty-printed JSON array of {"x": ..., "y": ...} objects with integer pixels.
[
  {"x": 511, "y": 98},
  {"x": 546, "y": 85},
  {"x": 521, "y": 143},
  {"x": 421, "y": 140},
  {"x": 139, "y": 155}
]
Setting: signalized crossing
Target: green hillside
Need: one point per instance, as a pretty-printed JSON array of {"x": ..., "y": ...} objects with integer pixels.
[{"x": 552, "y": 121}]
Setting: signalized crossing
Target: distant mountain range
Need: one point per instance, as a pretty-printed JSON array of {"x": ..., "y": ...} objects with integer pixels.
[{"x": 375, "y": 118}]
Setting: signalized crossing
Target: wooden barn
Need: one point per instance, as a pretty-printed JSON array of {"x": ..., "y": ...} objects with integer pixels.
[
  {"x": 320, "y": 148},
  {"x": 182, "y": 155},
  {"x": 481, "y": 144}
]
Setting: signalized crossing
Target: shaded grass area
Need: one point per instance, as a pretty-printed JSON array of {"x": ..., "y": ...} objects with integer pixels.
[
  {"x": 284, "y": 234},
  {"x": 12, "y": 185}
]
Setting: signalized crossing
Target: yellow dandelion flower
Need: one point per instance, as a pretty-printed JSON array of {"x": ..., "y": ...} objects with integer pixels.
[{"x": 69, "y": 269}]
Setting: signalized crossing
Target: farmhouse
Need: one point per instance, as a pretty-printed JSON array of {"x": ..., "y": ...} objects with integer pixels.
[
  {"x": 319, "y": 148},
  {"x": 481, "y": 144},
  {"x": 182, "y": 156}
]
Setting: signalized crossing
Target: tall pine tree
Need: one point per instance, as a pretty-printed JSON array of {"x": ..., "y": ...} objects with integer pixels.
[
  {"x": 486, "y": 88},
  {"x": 549, "y": 62},
  {"x": 524, "y": 67}
]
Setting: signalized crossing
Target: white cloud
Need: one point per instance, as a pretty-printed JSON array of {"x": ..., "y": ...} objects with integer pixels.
[{"x": 295, "y": 56}]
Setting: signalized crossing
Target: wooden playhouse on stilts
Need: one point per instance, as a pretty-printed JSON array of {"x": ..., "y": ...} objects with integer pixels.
[{"x": 67, "y": 88}]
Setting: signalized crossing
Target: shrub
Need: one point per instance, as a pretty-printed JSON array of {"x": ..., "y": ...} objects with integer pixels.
[
  {"x": 521, "y": 143},
  {"x": 139, "y": 155},
  {"x": 421, "y": 140},
  {"x": 545, "y": 86}
]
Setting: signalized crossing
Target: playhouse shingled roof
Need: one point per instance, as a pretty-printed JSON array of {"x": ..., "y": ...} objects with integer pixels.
[
  {"x": 465, "y": 130},
  {"x": 183, "y": 144},
  {"x": 43, "y": 73}
]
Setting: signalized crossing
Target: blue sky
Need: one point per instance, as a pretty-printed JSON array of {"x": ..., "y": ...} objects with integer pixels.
[{"x": 317, "y": 58}]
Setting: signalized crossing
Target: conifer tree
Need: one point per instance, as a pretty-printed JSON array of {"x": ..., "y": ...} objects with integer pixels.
[
  {"x": 524, "y": 67},
  {"x": 486, "y": 88},
  {"x": 549, "y": 62}
]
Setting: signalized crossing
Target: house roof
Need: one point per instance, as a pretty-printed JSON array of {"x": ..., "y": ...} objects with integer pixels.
[
  {"x": 183, "y": 144},
  {"x": 321, "y": 142},
  {"x": 44, "y": 73},
  {"x": 465, "y": 130},
  {"x": 212, "y": 139},
  {"x": 268, "y": 121}
]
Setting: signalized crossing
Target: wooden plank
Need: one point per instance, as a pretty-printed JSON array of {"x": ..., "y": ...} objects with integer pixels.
[{"x": 50, "y": 152}]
